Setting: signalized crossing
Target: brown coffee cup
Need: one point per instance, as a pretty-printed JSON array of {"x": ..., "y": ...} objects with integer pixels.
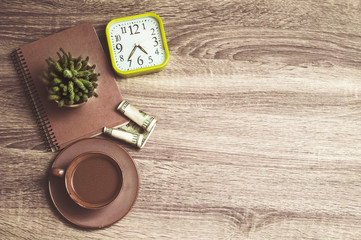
[{"x": 93, "y": 180}]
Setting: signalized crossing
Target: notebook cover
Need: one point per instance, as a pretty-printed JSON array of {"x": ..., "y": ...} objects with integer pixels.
[{"x": 63, "y": 126}]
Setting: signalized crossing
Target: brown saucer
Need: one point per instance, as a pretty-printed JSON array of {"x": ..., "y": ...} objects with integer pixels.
[{"x": 114, "y": 211}]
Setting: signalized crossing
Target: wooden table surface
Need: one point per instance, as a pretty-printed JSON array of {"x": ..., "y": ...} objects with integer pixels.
[{"x": 259, "y": 133}]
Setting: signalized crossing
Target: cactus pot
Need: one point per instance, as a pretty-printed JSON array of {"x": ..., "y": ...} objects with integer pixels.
[{"x": 70, "y": 81}]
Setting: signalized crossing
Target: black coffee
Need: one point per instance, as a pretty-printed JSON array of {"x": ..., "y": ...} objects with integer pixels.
[{"x": 97, "y": 180}]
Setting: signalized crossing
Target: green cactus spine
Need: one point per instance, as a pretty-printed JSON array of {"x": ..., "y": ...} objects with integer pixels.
[{"x": 69, "y": 80}]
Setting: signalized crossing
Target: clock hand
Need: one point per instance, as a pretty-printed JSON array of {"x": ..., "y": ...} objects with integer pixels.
[
  {"x": 131, "y": 54},
  {"x": 143, "y": 50}
]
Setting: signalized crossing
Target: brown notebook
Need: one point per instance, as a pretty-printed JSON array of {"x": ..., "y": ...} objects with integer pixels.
[{"x": 63, "y": 126}]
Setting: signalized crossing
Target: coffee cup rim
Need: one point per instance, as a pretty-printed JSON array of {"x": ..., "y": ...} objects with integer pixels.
[{"x": 68, "y": 180}]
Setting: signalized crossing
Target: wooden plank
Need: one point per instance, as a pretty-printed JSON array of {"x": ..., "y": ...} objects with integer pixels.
[{"x": 258, "y": 133}]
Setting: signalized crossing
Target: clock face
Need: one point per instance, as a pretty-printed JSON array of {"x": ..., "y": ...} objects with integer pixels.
[{"x": 136, "y": 43}]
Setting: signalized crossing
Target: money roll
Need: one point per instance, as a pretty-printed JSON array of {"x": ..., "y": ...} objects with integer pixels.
[
  {"x": 142, "y": 119},
  {"x": 132, "y": 138},
  {"x": 134, "y": 128}
]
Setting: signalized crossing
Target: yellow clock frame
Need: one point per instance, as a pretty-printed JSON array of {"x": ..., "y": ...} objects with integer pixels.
[{"x": 139, "y": 71}]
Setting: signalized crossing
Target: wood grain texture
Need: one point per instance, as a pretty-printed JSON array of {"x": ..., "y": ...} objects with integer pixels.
[{"x": 259, "y": 128}]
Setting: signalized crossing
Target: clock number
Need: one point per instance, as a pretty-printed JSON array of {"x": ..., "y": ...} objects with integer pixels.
[
  {"x": 157, "y": 52},
  {"x": 136, "y": 28},
  {"x": 140, "y": 61},
  {"x": 121, "y": 58},
  {"x": 124, "y": 30},
  {"x": 119, "y": 47},
  {"x": 150, "y": 59},
  {"x": 117, "y": 38},
  {"x": 153, "y": 31},
  {"x": 143, "y": 26},
  {"x": 155, "y": 41},
  {"x": 130, "y": 62}
]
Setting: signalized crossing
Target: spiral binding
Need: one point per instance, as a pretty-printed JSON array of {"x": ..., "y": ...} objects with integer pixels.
[{"x": 41, "y": 117}]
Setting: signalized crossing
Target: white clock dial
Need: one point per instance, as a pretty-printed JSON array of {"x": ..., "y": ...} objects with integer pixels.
[{"x": 137, "y": 43}]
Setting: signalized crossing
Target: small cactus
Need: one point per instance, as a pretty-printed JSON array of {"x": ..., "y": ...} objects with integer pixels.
[{"x": 70, "y": 80}]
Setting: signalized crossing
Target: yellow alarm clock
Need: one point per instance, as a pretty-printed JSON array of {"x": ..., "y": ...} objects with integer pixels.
[{"x": 137, "y": 44}]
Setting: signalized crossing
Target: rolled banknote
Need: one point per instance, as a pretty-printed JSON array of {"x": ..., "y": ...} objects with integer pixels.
[
  {"x": 132, "y": 138},
  {"x": 139, "y": 117},
  {"x": 134, "y": 128}
]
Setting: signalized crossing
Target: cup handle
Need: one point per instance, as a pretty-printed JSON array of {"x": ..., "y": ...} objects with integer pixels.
[{"x": 58, "y": 172}]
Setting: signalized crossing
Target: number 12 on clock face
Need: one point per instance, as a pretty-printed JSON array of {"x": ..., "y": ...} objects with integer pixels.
[{"x": 137, "y": 44}]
